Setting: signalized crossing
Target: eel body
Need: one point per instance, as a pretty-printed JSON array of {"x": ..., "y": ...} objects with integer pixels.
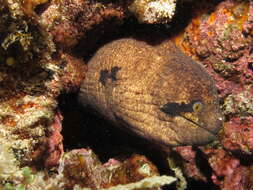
[{"x": 154, "y": 91}]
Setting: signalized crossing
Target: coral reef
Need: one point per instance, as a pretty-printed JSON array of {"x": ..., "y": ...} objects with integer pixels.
[
  {"x": 44, "y": 46},
  {"x": 237, "y": 135},
  {"x": 189, "y": 163},
  {"x": 227, "y": 171},
  {"x": 30, "y": 81},
  {"x": 23, "y": 122},
  {"x": 24, "y": 50},
  {"x": 68, "y": 73},
  {"x": 52, "y": 145},
  {"x": 83, "y": 167},
  {"x": 71, "y": 21},
  {"x": 222, "y": 41}
]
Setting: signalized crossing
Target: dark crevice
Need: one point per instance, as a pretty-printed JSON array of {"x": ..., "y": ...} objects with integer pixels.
[
  {"x": 250, "y": 66},
  {"x": 83, "y": 128}
]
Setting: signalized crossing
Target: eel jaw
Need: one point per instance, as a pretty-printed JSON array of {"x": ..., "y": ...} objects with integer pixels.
[
  {"x": 192, "y": 133},
  {"x": 200, "y": 125}
]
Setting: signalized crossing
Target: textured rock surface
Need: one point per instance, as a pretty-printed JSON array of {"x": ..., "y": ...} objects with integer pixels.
[
  {"x": 227, "y": 171},
  {"x": 84, "y": 168},
  {"x": 71, "y": 21}
]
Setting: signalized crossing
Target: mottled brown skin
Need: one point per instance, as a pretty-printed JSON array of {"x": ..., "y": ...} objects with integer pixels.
[{"x": 151, "y": 90}]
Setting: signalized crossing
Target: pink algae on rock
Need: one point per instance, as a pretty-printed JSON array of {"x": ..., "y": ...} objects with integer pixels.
[
  {"x": 189, "y": 163},
  {"x": 68, "y": 74},
  {"x": 228, "y": 173},
  {"x": 70, "y": 21},
  {"x": 223, "y": 44},
  {"x": 54, "y": 143}
]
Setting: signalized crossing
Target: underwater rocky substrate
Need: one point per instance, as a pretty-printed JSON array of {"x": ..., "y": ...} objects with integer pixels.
[{"x": 41, "y": 71}]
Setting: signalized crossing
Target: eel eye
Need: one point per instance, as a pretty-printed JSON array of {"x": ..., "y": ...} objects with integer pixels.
[{"x": 197, "y": 106}]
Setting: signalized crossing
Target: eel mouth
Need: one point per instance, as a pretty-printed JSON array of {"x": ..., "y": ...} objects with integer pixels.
[{"x": 200, "y": 125}]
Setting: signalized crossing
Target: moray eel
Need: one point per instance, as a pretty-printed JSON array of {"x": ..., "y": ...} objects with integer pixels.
[{"x": 155, "y": 91}]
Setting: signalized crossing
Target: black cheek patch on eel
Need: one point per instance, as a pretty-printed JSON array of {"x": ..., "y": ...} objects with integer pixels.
[
  {"x": 174, "y": 109},
  {"x": 105, "y": 75}
]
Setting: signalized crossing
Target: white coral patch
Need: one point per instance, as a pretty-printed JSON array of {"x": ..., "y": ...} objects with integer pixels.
[
  {"x": 146, "y": 183},
  {"x": 156, "y": 11}
]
